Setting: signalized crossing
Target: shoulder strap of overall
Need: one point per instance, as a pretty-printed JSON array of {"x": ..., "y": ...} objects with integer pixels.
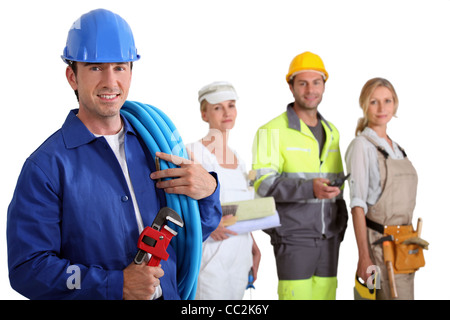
[
  {"x": 402, "y": 150},
  {"x": 382, "y": 150},
  {"x": 379, "y": 148}
]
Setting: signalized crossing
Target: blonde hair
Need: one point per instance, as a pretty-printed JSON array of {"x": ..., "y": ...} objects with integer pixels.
[{"x": 364, "y": 99}]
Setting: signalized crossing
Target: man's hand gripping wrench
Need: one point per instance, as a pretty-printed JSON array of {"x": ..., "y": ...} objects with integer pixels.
[{"x": 156, "y": 239}]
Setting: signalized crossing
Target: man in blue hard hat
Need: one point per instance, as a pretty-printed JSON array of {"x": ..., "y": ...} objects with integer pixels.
[{"x": 83, "y": 197}]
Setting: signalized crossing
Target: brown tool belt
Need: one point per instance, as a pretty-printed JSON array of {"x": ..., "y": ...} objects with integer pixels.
[{"x": 407, "y": 254}]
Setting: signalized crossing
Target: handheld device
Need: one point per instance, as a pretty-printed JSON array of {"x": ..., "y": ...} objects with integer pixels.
[{"x": 339, "y": 182}]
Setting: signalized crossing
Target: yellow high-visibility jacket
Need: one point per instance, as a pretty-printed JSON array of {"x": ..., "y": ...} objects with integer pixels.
[{"x": 286, "y": 159}]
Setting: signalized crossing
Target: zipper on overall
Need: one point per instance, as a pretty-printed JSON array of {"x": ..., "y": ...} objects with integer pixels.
[
  {"x": 320, "y": 175},
  {"x": 322, "y": 207}
]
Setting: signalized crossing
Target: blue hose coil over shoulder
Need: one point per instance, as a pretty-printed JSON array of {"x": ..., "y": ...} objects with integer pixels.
[{"x": 160, "y": 135}]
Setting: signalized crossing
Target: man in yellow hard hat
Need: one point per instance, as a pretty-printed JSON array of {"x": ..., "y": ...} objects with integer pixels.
[{"x": 297, "y": 159}]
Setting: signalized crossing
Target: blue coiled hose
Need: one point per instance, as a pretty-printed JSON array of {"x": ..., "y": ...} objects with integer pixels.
[{"x": 159, "y": 134}]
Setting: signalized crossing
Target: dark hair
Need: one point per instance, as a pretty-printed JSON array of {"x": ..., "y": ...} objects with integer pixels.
[
  {"x": 73, "y": 66},
  {"x": 292, "y": 80}
]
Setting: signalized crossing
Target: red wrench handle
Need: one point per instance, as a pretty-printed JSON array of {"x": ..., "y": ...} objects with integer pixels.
[
  {"x": 154, "y": 261},
  {"x": 161, "y": 242}
]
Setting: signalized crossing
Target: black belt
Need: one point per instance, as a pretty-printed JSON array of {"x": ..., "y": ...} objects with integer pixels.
[{"x": 374, "y": 226}]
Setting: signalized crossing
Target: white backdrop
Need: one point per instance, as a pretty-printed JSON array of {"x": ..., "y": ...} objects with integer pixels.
[{"x": 187, "y": 44}]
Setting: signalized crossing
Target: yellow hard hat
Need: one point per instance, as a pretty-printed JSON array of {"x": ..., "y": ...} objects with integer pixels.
[{"x": 306, "y": 61}]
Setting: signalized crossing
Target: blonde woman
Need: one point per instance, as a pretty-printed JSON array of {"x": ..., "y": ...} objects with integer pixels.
[
  {"x": 227, "y": 256},
  {"x": 383, "y": 185}
]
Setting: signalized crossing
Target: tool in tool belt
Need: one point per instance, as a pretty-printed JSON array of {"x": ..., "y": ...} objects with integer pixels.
[
  {"x": 402, "y": 249},
  {"x": 156, "y": 239},
  {"x": 383, "y": 239},
  {"x": 388, "y": 255}
]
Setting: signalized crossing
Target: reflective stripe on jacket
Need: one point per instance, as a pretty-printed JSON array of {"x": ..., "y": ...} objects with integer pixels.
[{"x": 286, "y": 158}]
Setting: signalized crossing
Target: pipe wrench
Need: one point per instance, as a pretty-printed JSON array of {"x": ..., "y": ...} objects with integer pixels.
[{"x": 156, "y": 239}]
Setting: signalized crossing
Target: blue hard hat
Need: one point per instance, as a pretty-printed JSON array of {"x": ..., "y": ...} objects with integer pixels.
[{"x": 100, "y": 36}]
